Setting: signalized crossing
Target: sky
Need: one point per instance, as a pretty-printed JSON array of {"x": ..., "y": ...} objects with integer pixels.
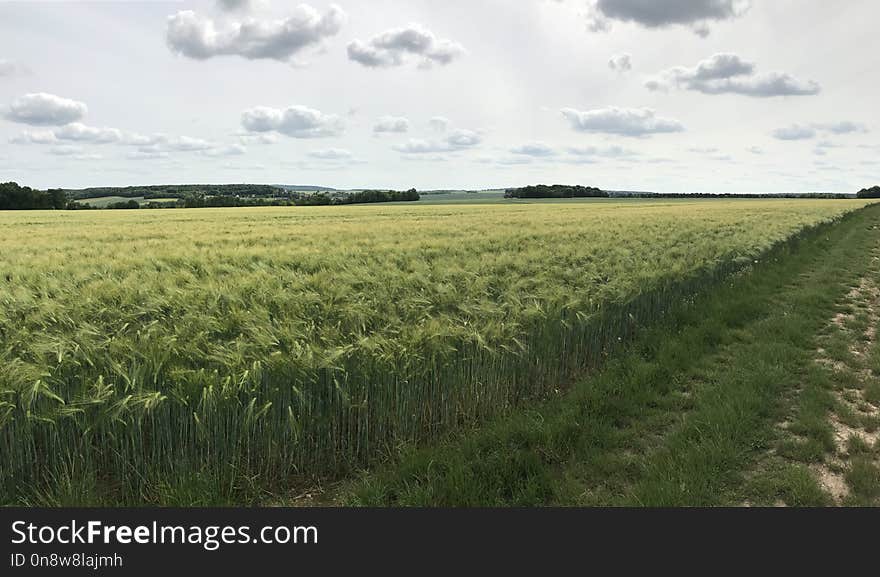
[{"x": 667, "y": 96}]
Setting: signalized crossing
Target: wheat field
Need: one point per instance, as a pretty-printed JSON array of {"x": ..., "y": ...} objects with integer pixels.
[{"x": 228, "y": 349}]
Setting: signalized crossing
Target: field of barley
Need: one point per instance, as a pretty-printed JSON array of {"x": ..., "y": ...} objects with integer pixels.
[{"x": 232, "y": 351}]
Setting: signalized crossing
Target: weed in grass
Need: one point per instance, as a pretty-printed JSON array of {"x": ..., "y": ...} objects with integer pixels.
[
  {"x": 792, "y": 484},
  {"x": 863, "y": 478}
]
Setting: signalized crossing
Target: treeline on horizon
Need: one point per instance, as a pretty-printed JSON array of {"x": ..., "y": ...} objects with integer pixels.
[
  {"x": 566, "y": 191},
  {"x": 555, "y": 191},
  {"x": 178, "y": 191},
  {"x": 829, "y": 195},
  {"x": 16, "y": 197}
]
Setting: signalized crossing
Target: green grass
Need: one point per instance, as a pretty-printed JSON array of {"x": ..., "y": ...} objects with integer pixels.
[
  {"x": 863, "y": 477},
  {"x": 680, "y": 419},
  {"x": 790, "y": 484}
]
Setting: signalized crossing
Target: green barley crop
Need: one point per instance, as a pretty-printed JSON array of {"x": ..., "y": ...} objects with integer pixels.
[{"x": 230, "y": 348}]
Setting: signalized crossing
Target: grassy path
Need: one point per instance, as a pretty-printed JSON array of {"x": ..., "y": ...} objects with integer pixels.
[{"x": 728, "y": 403}]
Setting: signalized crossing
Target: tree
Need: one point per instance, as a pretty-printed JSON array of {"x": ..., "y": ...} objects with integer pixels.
[{"x": 15, "y": 197}]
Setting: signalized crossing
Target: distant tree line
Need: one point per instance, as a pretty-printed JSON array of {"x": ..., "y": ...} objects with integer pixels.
[
  {"x": 873, "y": 192},
  {"x": 360, "y": 197},
  {"x": 15, "y": 197},
  {"x": 626, "y": 194},
  {"x": 290, "y": 198},
  {"x": 178, "y": 191},
  {"x": 555, "y": 191}
]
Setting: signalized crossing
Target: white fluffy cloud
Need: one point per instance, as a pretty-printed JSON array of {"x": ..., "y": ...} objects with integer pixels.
[
  {"x": 34, "y": 137},
  {"x": 659, "y": 14},
  {"x": 85, "y": 134},
  {"x": 458, "y": 139},
  {"x": 463, "y": 138},
  {"x": 728, "y": 73},
  {"x": 80, "y": 132},
  {"x": 620, "y": 63},
  {"x": 634, "y": 122},
  {"x": 294, "y": 121},
  {"x": 198, "y": 37},
  {"x": 396, "y": 124},
  {"x": 393, "y": 47},
  {"x": 41, "y": 109}
]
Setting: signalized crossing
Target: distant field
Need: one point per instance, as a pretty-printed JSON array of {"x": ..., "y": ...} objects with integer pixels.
[
  {"x": 462, "y": 196},
  {"x": 102, "y": 201},
  {"x": 226, "y": 351}
]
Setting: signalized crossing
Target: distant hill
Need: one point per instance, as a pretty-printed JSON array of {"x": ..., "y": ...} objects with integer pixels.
[{"x": 302, "y": 188}]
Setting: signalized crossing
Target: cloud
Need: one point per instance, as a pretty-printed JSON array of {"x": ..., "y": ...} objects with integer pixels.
[
  {"x": 73, "y": 151},
  {"x": 395, "y": 124},
  {"x": 420, "y": 146},
  {"x": 462, "y": 138},
  {"x": 200, "y": 38},
  {"x": 808, "y": 131},
  {"x": 331, "y": 154},
  {"x": 188, "y": 144},
  {"x": 655, "y": 14},
  {"x": 259, "y": 138},
  {"x": 34, "y": 137},
  {"x": 425, "y": 157},
  {"x": 635, "y": 122},
  {"x": 147, "y": 153},
  {"x": 393, "y": 47},
  {"x": 794, "y": 132},
  {"x": 755, "y": 150},
  {"x": 41, "y": 109},
  {"x": 728, "y": 73},
  {"x": 620, "y": 62},
  {"x": 843, "y": 127},
  {"x": 80, "y": 132},
  {"x": 231, "y": 150},
  {"x": 459, "y": 139},
  {"x": 534, "y": 149},
  {"x": 439, "y": 123},
  {"x": 607, "y": 152},
  {"x": 594, "y": 154},
  {"x": 295, "y": 121}
]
